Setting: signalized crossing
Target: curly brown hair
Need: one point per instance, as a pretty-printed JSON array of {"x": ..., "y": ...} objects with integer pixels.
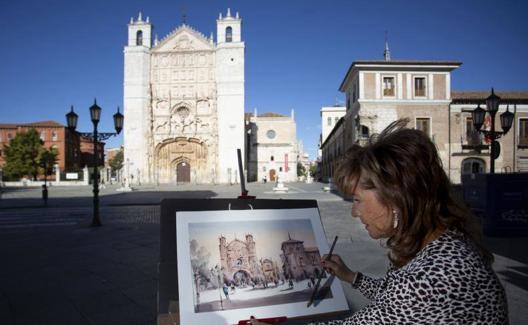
[{"x": 404, "y": 169}]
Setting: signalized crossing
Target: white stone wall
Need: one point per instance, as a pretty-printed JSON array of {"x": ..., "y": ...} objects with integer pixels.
[
  {"x": 230, "y": 103},
  {"x": 136, "y": 102},
  {"x": 334, "y": 113},
  {"x": 283, "y": 144}
]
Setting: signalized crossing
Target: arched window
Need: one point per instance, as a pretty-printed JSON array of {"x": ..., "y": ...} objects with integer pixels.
[
  {"x": 229, "y": 34},
  {"x": 139, "y": 37},
  {"x": 364, "y": 132},
  {"x": 473, "y": 166}
]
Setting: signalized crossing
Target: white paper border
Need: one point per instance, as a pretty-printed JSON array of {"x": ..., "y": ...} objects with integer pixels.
[{"x": 187, "y": 313}]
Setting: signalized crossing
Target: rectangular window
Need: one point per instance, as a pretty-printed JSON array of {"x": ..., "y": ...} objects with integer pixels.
[
  {"x": 54, "y": 136},
  {"x": 9, "y": 136},
  {"x": 43, "y": 135},
  {"x": 388, "y": 86},
  {"x": 329, "y": 121},
  {"x": 472, "y": 135},
  {"x": 424, "y": 124},
  {"x": 523, "y": 131},
  {"x": 419, "y": 86}
]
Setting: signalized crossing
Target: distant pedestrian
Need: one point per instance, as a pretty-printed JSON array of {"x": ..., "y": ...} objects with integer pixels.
[{"x": 225, "y": 289}]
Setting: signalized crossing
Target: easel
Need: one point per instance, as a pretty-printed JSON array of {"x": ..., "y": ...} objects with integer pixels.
[
  {"x": 243, "y": 190},
  {"x": 168, "y": 309}
]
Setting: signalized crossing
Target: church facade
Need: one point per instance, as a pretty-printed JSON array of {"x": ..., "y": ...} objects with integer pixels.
[{"x": 184, "y": 103}]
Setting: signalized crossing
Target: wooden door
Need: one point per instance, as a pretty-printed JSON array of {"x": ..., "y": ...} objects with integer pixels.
[
  {"x": 183, "y": 172},
  {"x": 272, "y": 175}
]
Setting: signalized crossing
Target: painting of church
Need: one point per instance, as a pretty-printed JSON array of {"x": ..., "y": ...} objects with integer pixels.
[
  {"x": 240, "y": 265},
  {"x": 184, "y": 103},
  {"x": 300, "y": 262}
]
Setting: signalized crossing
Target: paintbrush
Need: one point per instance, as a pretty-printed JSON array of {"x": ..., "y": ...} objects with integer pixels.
[{"x": 314, "y": 293}]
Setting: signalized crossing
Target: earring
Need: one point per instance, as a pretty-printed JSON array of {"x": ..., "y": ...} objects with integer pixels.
[{"x": 396, "y": 218}]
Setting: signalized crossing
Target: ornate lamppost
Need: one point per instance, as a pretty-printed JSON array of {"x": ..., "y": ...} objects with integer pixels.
[
  {"x": 95, "y": 114},
  {"x": 506, "y": 118}
]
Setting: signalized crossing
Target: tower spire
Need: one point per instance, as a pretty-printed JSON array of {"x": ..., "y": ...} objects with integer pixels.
[{"x": 386, "y": 52}]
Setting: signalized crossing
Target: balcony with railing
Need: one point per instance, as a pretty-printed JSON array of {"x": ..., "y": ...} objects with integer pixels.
[{"x": 472, "y": 144}]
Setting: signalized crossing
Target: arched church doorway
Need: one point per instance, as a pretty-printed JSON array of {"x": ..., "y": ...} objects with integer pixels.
[
  {"x": 183, "y": 172},
  {"x": 272, "y": 175},
  {"x": 241, "y": 278},
  {"x": 176, "y": 157}
]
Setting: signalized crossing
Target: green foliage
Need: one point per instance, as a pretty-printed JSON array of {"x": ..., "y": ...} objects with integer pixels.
[
  {"x": 301, "y": 170},
  {"x": 116, "y": 163},
  {"x": 313, "y": 170},
  {"x": 23, "y": 155},
  {"x": 48, "y": 159},
  {"x": 200, "y": 260}
]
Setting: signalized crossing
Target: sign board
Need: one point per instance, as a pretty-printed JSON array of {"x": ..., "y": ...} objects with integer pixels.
[{"x": 72, "y": 176}]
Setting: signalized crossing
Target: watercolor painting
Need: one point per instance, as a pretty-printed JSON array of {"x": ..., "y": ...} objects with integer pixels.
[{"x": 252, "y": 259}]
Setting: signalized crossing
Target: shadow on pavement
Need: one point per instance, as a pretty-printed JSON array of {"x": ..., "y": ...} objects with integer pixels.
[{"x": 118, "y": 199}]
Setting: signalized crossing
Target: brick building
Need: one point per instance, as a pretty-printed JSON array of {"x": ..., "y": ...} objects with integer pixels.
[{"x": 75, "y": 151}]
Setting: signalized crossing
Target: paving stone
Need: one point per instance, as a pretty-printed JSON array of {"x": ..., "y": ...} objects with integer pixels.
[{"x": 58, "y": 270}]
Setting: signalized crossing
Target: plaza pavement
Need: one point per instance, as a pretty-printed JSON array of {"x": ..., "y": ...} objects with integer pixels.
[{"x": 56, "y": 269}]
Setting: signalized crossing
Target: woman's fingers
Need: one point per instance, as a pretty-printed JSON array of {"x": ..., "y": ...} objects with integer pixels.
[{"x": 329, "y": 266}]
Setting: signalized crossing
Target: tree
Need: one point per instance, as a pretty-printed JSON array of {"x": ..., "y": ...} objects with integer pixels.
[
  {"x": 23, "y": 155},
  {"x": 116, "y": 163},
  {"x": 301, "y": 170},
  {"x": 200, "y": 260},
  {"x": 48, "y": 159},
  {"x": 313, "y": 170}
]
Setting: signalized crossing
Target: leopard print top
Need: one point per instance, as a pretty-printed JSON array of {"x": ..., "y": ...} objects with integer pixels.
[{"x": 446, "y": 283}]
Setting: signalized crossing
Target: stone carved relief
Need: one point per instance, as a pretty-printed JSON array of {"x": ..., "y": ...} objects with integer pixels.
[
  {"x": 172, "y": 151},
  {"x": 181, "y": 120},
  {"x": 183, "y": 43},
  {"x": 202, "y": 107},
  {"x": 183, "y": 111}
]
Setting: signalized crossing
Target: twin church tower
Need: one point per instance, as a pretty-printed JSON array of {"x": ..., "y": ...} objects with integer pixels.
[{"x": 184, "y": 103}]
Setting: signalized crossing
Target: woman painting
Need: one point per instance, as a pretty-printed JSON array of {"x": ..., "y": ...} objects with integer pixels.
[{"x": 439, "y": 273}]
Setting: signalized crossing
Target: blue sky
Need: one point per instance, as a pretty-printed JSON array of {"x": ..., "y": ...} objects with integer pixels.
[
  {"x": 268, "y": 235},
  {"x": 57, "y": 53}
]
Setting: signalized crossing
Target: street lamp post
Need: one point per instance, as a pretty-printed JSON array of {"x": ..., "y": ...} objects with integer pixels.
[
  {"x": 95, "y": 114},
  {"x": 218, "y": 272},
  {"x": 506, "y": 118},
  {"x": 45, "y": 186}
]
